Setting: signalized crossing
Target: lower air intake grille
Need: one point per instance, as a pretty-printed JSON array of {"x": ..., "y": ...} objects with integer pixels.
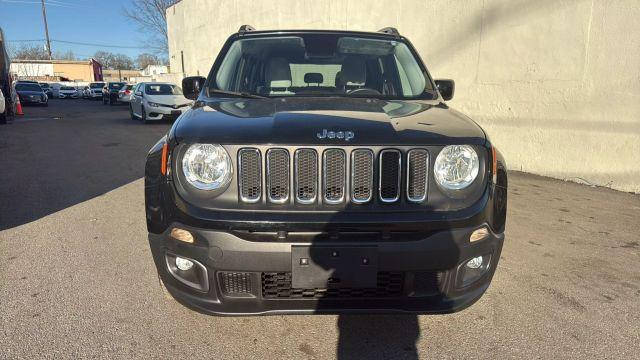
[
  {"x": 278, "y": 175},
  {"x": 417, "y": 167},
  {"x": 278, "y": 286},
  {"x": 361, "y": 175},
  {"x": 390, "y": 164},
  {"x": 250, "y": 176},
  {"x": 235, "y": 283},
  {"x": 306, "y": 175},
  {"x": 334, "y": 176}
]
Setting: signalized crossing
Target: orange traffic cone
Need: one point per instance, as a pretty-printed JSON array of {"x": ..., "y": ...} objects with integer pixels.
[{"x": 19, "y": 108}]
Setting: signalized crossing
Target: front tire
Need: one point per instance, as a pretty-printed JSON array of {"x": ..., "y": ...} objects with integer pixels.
[{"x": 143, "y": 116}]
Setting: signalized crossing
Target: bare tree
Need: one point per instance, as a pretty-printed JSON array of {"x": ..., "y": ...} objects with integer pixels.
[
  {"x": 67, "y": 55},
  {"x": 146, "y": 59},
  {"x": 29, "y": 52},
  {"x": 113, "y": 61},
  {"x": 150, "y": 15}
]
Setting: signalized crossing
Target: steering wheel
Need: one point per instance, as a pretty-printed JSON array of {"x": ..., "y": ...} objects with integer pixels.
[{"x": 363, "y": 91}]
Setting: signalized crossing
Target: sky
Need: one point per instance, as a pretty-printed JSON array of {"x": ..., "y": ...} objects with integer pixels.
[{"x": 85, "y": 21}]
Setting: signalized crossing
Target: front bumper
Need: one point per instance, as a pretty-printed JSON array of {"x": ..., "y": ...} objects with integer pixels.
[
  {"x": 29, "y": 100},
  {"x": 429, "y": 280},
  {"x": 163, "y": 113}
]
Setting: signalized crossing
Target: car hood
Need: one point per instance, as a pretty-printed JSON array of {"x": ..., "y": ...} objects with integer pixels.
[
  {"x": 28, "y": 93},
  {"x": 68, "y": 91},
  {"x": 309, "y": 121},
  {"x": 168, "y": 99}
]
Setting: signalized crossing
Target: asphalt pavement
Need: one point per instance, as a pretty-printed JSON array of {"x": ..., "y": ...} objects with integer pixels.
[{"x": 77, "y": 279}]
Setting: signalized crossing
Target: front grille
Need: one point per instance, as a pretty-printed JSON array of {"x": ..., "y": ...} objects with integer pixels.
[
  {"x": 361, "y": 175},
  {"x": 332, "y": 175},
  {"x": 277, "y": 285},
  {"x": 390, "y": 164},
  {"x": 306, "y": 175},
  {"x": 278, "y": 175},
  {"x": 235, "y": 283},
  {"x": 334, "y": 183},
  {"x": 417, "y": 169},
  {"x": 250, "y": 175}
]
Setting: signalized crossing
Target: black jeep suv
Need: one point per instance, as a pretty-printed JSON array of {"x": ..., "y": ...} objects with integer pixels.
[{"x": 323, "y": 172}]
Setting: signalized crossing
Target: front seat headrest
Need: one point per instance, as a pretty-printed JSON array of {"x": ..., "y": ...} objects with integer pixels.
[
  {"x": 278, "y": 73},
  {"x": 314, "y": 78}
]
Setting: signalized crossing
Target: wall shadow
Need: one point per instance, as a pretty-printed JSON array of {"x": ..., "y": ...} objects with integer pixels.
[{"x": 53, "y": 162}]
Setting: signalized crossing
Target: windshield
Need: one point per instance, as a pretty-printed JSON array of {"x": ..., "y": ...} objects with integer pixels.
[
  {"x": 67, "y": 88},
  {"x": 96, "y": 85},
  {"x": 322, "y": 65},
  {"x": 28, "y": 87},
  {"x": 162, "y": 89},
  {"x": 44, "y": 86},
  {"x": 114, "y": 86}
]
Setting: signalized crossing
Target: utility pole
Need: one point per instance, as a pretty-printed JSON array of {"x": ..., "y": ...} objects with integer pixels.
[{"x": 46, "y": 29}]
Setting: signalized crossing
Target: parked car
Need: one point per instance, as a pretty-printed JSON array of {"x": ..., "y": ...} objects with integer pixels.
[
  {"x": 47, "y": 89},
  {"x": 68, "y": 92},
  {"x": 31, "y": 93},
  {"x": 94, "y": 90},
  {"x": 110, "y": 92},
  {"x": 125, "y": 94},
  {"x": 324, "y": 172},
  {"x": 157, "y": 101}
]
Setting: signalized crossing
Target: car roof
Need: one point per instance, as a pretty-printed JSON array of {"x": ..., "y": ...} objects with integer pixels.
[{"x": 377, "y": 34}]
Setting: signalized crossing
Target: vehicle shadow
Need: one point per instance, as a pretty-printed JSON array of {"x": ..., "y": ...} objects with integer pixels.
[{"x": 378, "y": 336}]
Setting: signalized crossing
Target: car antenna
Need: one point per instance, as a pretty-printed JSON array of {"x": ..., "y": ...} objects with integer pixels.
[{"x": 246, "y": 28}]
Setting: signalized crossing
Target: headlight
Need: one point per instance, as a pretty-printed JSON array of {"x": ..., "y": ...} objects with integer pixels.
[
  {"x": 456, "y": 167},
  {"x": 152, "y": 104},
  {"x": 207, "y": 166}
]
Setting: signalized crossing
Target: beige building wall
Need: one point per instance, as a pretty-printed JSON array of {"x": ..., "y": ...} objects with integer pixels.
[
  {"x": 73, "y": 70},
  {"x": 556, "y": 83}
]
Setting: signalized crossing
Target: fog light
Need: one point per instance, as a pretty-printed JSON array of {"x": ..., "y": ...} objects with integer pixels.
[
  {"x": 479, "y": 234},
  {"x": 183, "y": 264},
  {"x": 474, "y": 263},
  {"x": 472, "y": 270},
  {"x": 182, "y": 235}
]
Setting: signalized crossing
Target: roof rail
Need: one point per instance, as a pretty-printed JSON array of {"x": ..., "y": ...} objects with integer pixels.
[
  {"x": 246, "y": 28},
  {"x": 390, "y": 31}
]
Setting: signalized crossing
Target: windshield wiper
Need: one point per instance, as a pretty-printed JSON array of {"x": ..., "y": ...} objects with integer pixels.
[{"x": 238, "y": 94}]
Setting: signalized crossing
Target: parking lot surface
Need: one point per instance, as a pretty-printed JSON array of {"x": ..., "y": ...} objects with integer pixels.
[{"x": 77, "y": 278}]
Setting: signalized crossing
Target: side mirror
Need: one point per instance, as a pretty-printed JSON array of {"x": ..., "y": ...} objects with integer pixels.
[
  {"x": 446, "y": 87},
  {"x": 192, "y": 85},
  {"x": 138, "y": 93}
]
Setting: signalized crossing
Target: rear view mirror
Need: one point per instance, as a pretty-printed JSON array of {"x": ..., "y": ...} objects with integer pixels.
[
  {"x": 192, "y": 85},
  {"x": 446, "y": 87}
]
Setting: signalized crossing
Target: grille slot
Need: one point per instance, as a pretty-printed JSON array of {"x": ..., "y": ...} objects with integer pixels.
[
  {"x": 235, "y": 283},
  {"x": 334, "y": 174},
  {"x": 390, "y": 173},
  {"x": 361, "y": 175},
  {"x": 306, "y": 175},
  {"x": 278, "y": 175},
  {"x": 250, "y": 175},
  {"x": 277, "y": 285},
  {"x": 417, "y": 170}
]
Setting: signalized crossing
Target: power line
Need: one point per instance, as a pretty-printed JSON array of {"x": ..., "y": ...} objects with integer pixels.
[
  {"x": 86, "y": 44},
  {"x": 105, "y": 45}
]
